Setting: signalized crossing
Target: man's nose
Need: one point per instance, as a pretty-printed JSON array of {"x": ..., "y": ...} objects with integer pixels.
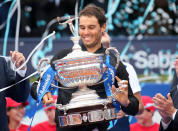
[{"x": 86, "y": 31}]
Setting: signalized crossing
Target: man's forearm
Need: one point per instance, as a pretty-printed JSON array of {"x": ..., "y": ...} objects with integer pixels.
[
  {"x": 133, "y": 106},
  {"x": 22, "y": 89}
]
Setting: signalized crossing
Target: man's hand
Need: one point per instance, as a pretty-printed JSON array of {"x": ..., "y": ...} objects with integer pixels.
[
  {"x": 17, "y": 58},
  {"x": 164, "y": 106},
  {"x": 120, "y": 114},
  {"x": 122, "y": 94},
  {"x": 48, "y": 98}
]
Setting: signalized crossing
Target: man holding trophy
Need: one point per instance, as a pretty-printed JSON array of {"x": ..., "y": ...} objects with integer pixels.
[{"x": 88, "y": 102}]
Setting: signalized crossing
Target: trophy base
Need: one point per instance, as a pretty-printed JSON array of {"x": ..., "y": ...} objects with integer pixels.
[
  {"x": 86, "y": 107},
  {"x": 87, "y": 115}
]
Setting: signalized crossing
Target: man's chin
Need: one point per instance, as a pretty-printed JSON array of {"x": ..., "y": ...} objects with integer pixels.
[{"x": 87, "y": 43}]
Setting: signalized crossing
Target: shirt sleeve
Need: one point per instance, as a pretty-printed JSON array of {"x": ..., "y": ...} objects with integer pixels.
[
  {"x": 133, "y": 79},
  {"x": 165, "y": 125},
  {"x": 173, "y": 116},
  {"x": 22, "y": 72}
]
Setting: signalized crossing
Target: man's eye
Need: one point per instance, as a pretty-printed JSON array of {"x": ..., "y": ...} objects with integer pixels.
[
  {"x": 91, "y": 27},
  {"x": 81, "y": 27}
]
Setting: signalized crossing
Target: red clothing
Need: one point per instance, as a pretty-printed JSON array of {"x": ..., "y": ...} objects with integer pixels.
[
  {"x": 21, "y": 128},
  {"x": 138, "y": 127},
  {"x": 44, "y": 126}
]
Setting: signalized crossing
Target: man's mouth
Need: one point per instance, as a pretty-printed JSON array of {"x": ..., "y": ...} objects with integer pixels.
[{"x": 87, "y": 38}]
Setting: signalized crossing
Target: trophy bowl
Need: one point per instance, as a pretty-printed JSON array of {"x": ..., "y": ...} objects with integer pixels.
[{"x": 79, "y": 71}]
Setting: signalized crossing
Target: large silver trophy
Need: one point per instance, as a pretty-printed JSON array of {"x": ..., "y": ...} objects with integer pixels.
[{"x": 80, "y": 69}]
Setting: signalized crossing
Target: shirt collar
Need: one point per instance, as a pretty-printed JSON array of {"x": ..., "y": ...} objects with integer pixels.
[{"x": 100, "y": 50}]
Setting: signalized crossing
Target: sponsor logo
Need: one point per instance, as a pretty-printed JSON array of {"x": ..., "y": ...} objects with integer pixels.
[{"x": 45, "y": 84}]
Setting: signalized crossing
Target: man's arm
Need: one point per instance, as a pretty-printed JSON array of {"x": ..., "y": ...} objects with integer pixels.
[
  {"x": 171, "y": 123},
  {"x": 133, "y": 106},
  {"x": 167, "y": 111},
  {"x": 129, "y": 103},
  {"x": 20, "y": 91},
  {"x": 168, "y": 127},
  {"x": 174, "y": 86},
  {"x": 171, "y": 126},
  {"x": 175, "y": 122}
]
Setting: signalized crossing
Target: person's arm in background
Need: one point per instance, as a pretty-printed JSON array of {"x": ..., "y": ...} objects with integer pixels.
[{"x": 20, "y": 91}]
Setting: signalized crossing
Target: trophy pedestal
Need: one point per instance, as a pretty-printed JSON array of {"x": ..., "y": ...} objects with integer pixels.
[
  {"x": 84, "y": 93},
  {"x": 85, "y": 97}
]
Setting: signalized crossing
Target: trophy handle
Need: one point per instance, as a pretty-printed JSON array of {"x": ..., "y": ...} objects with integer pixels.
[
  {"x": 39, "y": 65},
  {"x": 69, "y": 21},
  {"x": 116, "y": 53}
]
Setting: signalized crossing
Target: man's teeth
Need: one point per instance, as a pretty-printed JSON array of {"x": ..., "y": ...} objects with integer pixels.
[{"x": 87, "y": 38}]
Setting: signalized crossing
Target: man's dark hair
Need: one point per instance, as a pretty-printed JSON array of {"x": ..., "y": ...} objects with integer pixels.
[{"x": 93, "y": 10}]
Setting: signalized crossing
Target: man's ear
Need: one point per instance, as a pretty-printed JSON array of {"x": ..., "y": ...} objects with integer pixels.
[{"x": 103, "y": 28}]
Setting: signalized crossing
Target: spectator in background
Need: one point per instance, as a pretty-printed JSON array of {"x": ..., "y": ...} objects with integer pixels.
[
  {"x": 49, "y": 125},
  {"x": 15, "y": 113},
  {"x": 167, "y": 107},
  {"x": 145, "y": 119}
]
